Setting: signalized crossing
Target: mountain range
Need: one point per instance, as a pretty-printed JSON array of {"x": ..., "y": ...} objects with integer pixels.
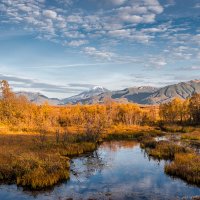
[{"x": 140, "y": 95}]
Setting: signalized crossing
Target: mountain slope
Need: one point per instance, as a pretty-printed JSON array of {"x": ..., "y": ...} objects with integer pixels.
[
  {"x": 135, "y": 94},
  {"x": 39, "y": 98},
  {"x": 86, "y": 95},
  {"x": 181, "y": 90},
  {"x": 140, "y": 95},
  {"x": 144, "y": 95}
]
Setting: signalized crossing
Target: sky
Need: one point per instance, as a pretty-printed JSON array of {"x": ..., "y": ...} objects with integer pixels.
[{"x": 63, "y": 47}]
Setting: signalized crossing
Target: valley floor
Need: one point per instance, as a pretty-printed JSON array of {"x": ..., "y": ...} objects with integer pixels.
[{"x": 39, "y": 161}]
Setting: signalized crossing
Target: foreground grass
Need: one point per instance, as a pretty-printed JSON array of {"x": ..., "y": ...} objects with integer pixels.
[
  {"x": 41, "y": 160},
  {"x": 27, "y": 161},
  {"x": 186, "y": 167}
]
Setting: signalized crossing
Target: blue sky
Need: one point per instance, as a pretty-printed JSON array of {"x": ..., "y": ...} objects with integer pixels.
[{"x": 62, "y": 47}]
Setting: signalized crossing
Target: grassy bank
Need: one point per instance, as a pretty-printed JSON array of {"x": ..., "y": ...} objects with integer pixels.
[
  {"x": 162, "y": 149},
  {"x": 193, "y": 138},
  {"x": 29, "y": 161},
  {"x": 186, "y": 167},
  {"x": 131, "y": 133}
]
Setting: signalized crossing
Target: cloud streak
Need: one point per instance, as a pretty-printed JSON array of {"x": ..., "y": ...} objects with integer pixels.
[{"x": 26, "y": 84}]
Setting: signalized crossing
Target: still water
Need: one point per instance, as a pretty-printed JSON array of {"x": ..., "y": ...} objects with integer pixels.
[{"x": 116, "y": 170}]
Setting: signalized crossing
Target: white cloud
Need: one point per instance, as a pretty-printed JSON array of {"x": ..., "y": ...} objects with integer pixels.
[
  {"x": 132, "y": 18},
  {"x": 74, "y": 34},
  {"x": 131, "y": 34},
  {"x": 55, "y": 23},
  {"x": 116, "y": 25},
  {"x": 74, "y": 19},
  {"x": 143, "y": 11},
  {"x": 156, "y": 62},
  {"x": 50, "y": 14},
  {"x": 77, "y": 43},
  {"x": 92, "y": 51},
  {"x": 23, "y": 7}
]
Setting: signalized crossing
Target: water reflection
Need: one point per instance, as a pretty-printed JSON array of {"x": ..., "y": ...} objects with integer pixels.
[
  {"x": 117, "y": 170},
  {"x": 84, "y": 167}
]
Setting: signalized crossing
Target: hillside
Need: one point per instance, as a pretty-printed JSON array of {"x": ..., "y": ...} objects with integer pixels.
[{"x": 140, "y": 95}]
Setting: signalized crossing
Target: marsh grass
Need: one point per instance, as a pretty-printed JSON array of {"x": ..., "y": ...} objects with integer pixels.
[
  {"x": 191, "y": 136},
  {"x": 162, "y": 149},
  {"x": 131, "y": 133},
  {"x": 175, "y": 128},
  {"x": 167, "y": 150},
  {"x": 185, "y": 163},
  {"x": 186, "y": 167},
  {"x": 28, "y": 162},
  {"x": 77, "y": 149},
  {"x": 148, "y": 143}
]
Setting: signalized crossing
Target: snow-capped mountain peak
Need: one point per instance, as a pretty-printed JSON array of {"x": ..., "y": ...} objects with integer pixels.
[
  {"x": 98, "y": 88},
  {"x": 94, "y": 91}
]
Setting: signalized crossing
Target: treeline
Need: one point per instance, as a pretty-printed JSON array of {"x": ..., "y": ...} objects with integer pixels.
[
  {"x": 181, "y": 111},
  {"x": 19, "y": 113}
]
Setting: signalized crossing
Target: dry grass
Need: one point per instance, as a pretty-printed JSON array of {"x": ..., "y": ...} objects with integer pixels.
[
  {"x": 175, "y": 128},
  {"x": 167, "y": 150},
  {"x": 27, "y": 161},
  {"x": 185, "y": 166},
  {"x": 162, "y": 149},
  {"x": 122, "y": 132},
  {"x": 191, "y": 136}
]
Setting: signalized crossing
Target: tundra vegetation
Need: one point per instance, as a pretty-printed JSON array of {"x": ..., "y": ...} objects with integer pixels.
[{"x": 38, "y": 141}]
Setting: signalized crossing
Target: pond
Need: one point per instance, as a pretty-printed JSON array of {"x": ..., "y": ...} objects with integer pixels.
[{"x": 116, "y": 170}]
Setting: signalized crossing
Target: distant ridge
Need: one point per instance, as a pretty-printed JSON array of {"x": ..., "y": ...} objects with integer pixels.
[
  {"x": 39, "y": 98},
  {"x": 140, "y": 95},
  {"x": 181, "y": 90}
]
